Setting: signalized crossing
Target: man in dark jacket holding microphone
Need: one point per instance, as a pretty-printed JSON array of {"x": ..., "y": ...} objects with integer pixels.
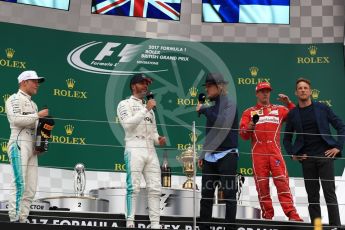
[{"x": 220, "y": 154}]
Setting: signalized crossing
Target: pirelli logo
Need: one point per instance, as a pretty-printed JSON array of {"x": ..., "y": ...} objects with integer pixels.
[{"x": 48, "y": 127}]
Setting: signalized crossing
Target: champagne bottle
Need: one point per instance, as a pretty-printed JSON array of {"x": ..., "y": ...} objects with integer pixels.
[
  {"x": 220, "y": 194},
  {"x": 166, "y": 171}
]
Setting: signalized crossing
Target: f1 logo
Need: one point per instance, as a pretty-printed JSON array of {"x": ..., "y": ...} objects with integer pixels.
[{"x": 126, "y": 54}]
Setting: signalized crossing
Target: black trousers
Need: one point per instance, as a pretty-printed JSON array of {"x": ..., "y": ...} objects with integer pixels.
[
  {"x": 323, "y": 169},
  {"x": 224, "y": 170}
]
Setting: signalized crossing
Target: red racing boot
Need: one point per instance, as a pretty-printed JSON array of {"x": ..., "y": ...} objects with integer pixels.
[{"x": 293, "y": 216}]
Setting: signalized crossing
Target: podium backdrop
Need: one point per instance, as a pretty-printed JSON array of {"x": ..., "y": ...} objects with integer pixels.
[{"x": 87, "y": 75}]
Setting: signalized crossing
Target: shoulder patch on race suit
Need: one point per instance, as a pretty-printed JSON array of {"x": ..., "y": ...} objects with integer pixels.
[
  {"x": 277, "y": 163},
  {"x": 268, "y": 119},
  {"x": 15, "y": 105},
  {"x": 123, "y": 114},
  {"x": 259, "y": 112},
  {"x": 274, "y": 112},
  {"x": 123, "y": 111}
]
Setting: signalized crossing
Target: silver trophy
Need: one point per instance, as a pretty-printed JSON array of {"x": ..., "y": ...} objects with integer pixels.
[
  {"x": 187, "y": 160},
  {"x": 79, "y": 179}
]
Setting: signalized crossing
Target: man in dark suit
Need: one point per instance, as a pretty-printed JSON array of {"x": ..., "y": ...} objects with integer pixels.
[{"x": 315, "y": 148}]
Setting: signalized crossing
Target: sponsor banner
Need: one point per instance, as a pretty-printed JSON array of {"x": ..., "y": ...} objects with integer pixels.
[
  {"x": 112, "y": 221},
  {"x": 87, "y": 75},
  {"x": 269, "y": 119}
]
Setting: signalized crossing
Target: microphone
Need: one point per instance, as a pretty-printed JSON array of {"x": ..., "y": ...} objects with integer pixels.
[
  {"x": 150, "y": 96},
  {"x": 201, "y": 99},
  {"x": 255, "y": 118}
]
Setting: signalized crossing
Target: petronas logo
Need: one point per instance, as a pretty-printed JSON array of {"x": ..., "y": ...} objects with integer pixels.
[
  {"x": 254, "y": 71},
  {"x": 9, "y": 53},
  {"x": 69, "y": 129},
  {"x": 70, "y": 83},
  {"x": 193, "y": 91}
]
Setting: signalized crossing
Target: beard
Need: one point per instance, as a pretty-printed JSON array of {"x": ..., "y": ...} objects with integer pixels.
[{"x": 143, "y": 93}]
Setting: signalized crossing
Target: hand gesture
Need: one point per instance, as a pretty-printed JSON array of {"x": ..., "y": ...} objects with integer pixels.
[
  {"x": 161, "y": 140},
  {"x": 150, "y": 104},
  {"x": 200, "y": 163},
  {"x": 198, "y": 106},
  {"x": 43, "y": 113},
  {"x": 283, "y": 98},
  {"x": 332, "y": 152},
  {"x": 299, "y": 157},
  {"x": 251, "y": 126}
]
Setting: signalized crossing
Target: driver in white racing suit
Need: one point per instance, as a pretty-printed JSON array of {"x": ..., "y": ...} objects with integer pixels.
[
  {"x": 23, "y": 115},
  {"x": 138, "y": 120}
]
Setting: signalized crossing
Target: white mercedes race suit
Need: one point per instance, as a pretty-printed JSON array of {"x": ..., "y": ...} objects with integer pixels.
[
  {"x": 140, "y": 156},
  {"x": 22, "y": 116}
]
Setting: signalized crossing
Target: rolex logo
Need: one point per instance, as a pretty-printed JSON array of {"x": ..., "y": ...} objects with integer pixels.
[
  {"x": 8, "y": 62},
  {"x": 69, "y": 129},
  {"x": 312, "y": 50},
  {"x": 254, "y": 71},
  {"x": 313, "y": 58},
  {"x": 193, "y": 91},
  {"x": 70, "y": 92},
  {"x": 4, "y": 147},
  {"x": 69, "y": 139},
  {"x": 193, "y": 138},
  {"x": 70, "y": 83},
  {"x": 252, "y": 79},
  {"x": 9, "y": 53},
  {"x": 315, "y": 93},
  {"x": 5, "y": 97}
]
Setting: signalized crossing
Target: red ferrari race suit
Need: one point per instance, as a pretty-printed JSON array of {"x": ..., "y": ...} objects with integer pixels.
[{"x": 267, "y": 157}]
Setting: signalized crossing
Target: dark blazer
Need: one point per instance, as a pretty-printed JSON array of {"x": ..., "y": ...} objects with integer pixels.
[
  {"x": 324, "y": 116},
  {"x": 221, "y": 125}
]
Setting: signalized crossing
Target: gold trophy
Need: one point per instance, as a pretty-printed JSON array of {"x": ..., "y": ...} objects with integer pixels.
[{"x": 186, "y": 159}]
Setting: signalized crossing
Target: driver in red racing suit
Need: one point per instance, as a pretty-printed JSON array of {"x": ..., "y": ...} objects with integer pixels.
[{"x": 266, "y": 152}]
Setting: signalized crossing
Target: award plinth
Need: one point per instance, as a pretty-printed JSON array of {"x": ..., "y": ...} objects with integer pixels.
[{"x": 78, "y": 202}]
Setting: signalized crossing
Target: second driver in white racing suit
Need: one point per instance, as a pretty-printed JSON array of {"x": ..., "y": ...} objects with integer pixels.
[
  {"x": 23, "y": 117},
  {"x": 138, "y": 121}
]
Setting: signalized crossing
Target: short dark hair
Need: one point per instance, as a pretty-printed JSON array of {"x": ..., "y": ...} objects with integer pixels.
[{"x": 301, "y": 79}]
